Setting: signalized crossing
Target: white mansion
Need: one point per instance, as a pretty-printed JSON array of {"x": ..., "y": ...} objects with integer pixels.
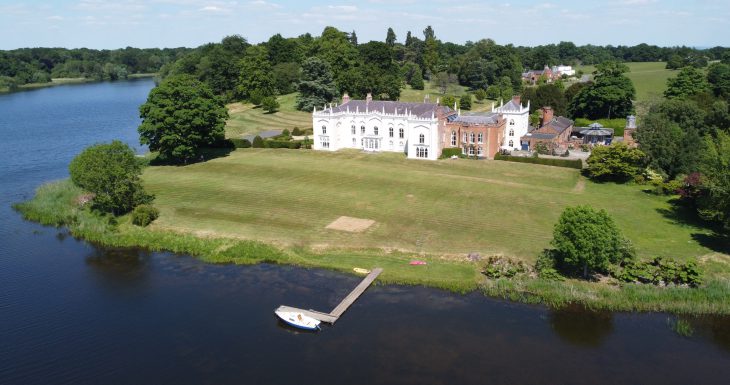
[{"x": 420, "y": 130}]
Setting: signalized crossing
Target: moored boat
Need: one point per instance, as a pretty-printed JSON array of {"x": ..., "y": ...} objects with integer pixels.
[{"x": 298, "y": 320}]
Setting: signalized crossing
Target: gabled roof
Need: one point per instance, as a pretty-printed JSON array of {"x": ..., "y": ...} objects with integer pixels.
[
  {"x": 559, "y": 124},
  {"x": 478, "y": 119},
  {"x": 421, "y": 110}
]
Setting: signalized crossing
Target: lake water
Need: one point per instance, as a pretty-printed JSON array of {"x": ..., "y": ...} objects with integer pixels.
[{"x": 71, "y": 312}]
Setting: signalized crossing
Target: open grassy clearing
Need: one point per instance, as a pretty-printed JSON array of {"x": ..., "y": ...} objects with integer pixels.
[
  {"x": 245, "y": 119},
  {"x": 408, "y": 94},
  {"x": 449, "y": 207},
  {"x": 650, "y": 79}
]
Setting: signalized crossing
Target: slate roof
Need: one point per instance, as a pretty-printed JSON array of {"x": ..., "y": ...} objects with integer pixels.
[
  {"x": 421, "y": 110},
  {"x": 559, "y": 123},
  {"x": 540, "y": 135},
  {"x": 510, "y": 106},
  {"x": 483, "y": 119}
]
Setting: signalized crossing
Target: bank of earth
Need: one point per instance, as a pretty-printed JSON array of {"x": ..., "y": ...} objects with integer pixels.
[{"x": 270, "y": 205}]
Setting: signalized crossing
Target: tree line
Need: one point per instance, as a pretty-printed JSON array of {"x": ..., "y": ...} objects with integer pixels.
[{"x": 40, "y": 65}]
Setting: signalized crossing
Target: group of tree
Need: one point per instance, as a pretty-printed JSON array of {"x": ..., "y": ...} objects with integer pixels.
[{"x": 40, "y": 65}]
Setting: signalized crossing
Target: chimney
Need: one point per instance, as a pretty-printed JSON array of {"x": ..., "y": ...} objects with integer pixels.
[
  {"x": 631, "y": 121},
  {"x": 345, "y": 98},
  {"x": 547, "y": 116},
  {"x": 369, "y": 98},
  {"x": 517, "y": 99}
]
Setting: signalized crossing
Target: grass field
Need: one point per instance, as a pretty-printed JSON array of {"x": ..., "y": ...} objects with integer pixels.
[
  {"x": 245, "y": 119},
  {"x": 449, "y": 207},
  {"x": 408, "y": 94},
  {"x": 650, "y": 79}
]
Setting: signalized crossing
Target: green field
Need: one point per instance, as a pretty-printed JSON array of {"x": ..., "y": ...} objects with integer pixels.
[
  {"x": 245, "y": 119},
  {"x": 408, "y": 94},
  {"x": 650, "y": 79},
  {"x": 448, "y": 207}
]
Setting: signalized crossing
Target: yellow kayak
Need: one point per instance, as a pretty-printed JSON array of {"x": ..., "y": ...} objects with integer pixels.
[{"x": 361, "y": 270}]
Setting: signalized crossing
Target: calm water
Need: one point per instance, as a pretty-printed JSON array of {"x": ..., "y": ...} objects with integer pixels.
[{"x": 71, "y": 312}]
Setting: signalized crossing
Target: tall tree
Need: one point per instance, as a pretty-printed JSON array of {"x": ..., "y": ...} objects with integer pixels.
[
  {"x": 690, "y": 81},
  {"x": 718, "y": 75},
  {"x": 181, "y": 116},
  {"x": 714, "y": 203},
  {"x": 409, "y": 39},
  {"x": 430, "y": 50},
  {"x": 317, "y": 86},
  {"x": 610, "y": 95},
  {"x": 353, "y": 38},
  {"x": 390, "y": 37},
  {"x": 617, "y": 162},
  {"x": 256, "y": 77}
]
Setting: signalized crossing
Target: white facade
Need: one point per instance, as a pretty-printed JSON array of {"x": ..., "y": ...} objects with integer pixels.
[
  {"x": 391, "y": 128},
  {"x": 518, "y": 121},
  {"x": 563, "y": 70}
]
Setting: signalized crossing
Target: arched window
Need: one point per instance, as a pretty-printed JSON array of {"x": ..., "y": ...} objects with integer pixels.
[
  {"x": 362, "y": 130},
  {"x": 511, "y": 132},
  {"x": 375, "y": 130},
  {"x": 465, "y": 138},
  {"x": 390, "y": 132},
  {"x": 354, "y": 130},
  {"x": 421, "y": 138},
  {"x": 324, "y": 129},
  {"x": 511, "y": 122},
  {"x": 480, "y": 138},
  {"x": 471, "y": 137},
  {"x": 480, "y": 151},
  {"x": 354, "y": 142},
  {"x": 453, "y": 138},
  {"x": 425, "y": 152},
  {"x": 401, "y": 134},
  {"x": 511, "y": 143}
]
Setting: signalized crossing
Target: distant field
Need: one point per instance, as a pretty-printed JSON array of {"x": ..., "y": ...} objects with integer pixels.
[
  {"x": 408, "y": 94},
  {"x": 288, "y": 197},
  {"x": 245, "y": 119},
  {"x": 650, "y": 79}
]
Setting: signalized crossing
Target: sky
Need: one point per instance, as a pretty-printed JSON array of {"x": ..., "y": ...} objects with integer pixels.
[{"x": 174, "y": 23}]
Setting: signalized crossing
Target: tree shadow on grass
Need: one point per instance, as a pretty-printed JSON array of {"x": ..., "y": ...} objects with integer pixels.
[
  {"x": 205, "y": 154},
  {"x": 714, "y": 237}
]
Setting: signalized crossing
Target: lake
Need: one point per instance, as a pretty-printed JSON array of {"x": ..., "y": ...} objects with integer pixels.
[{"x": 75, "y": 313}]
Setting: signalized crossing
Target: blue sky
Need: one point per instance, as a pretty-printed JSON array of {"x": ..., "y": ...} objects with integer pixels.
[{"x": 173, "y": 23}]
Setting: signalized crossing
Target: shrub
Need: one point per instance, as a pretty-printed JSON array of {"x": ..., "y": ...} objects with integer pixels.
[
  {"x": 617, "y": 162},
  {"x": 270, "y": 104},
  {"x": 285, "y": 133},
  {"x": 449, "y": 152},
  {"x": 569, "y": 163},
  {"x": 542, "y": 148},
  {"x": 660, "y": 271},
  {"x": 448, "y": 101},
  {"x": 258, "y": 142},
  {"x": 501, "y": 267},
  {"x": 465, "y": 102},
  {"x": 480, "y": 94},
  {"x": 255, "y": 97},
  {"x": 545, "y": 266},
  {"x": 297, "y": 132},
  {"x": 143, "y": 215},
  {"x": 240, "y": 143},
  {"x": 292, "y": 144}
]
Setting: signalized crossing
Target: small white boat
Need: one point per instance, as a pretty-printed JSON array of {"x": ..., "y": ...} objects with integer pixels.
[{"x": 298, "y": 320}]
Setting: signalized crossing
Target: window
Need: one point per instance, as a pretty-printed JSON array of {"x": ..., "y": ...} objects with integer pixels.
[
  {"x": 471, "y": 150},
  {"x": 362, "y": 130},
  {"x": 480, "y": 137},
  {"x": 354, "y": 130},
  {"x": 390, "y": 144},
  {"x": 463, "y": 150},
  {"x": 324, "y": 129},
  {"x": 511, "y": 143},
  {"x": 511, "y": 132},
  {"x": 422, "y": 139},
  {"x": 325, "y": 142},
  {"x": 401, "y": 133},
  {"x": 354, "y": 142},
  {"x": 390, "y": 132},
  {"x": 480, "y": 151},
  {"x": 362, "y": 142},
  {"x": 471, "y": 137},
  {"x": 375, "y": 130},
  {"x": 465, "y": 139},
  {"x": 511, "y": 122},
  {"x": 453, "y": 138},
  {"x": 421, "y": 152}
]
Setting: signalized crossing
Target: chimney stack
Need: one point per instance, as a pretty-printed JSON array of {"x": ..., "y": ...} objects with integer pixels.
[
  {"x": 631, "y": 121},
  {"x": 547, "y": 116},
  {"x": 369, "y": 98},
  {"x": 517, "y": 99},
  {"x": 345, "y": 98}
]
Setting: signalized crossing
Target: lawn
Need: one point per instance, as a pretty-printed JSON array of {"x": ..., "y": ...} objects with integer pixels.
[
  {"x": 650, "y": 79},
  {"x": 446, "y": 208},
  {"x": 408, "y": 94},
  {"x": 245, "y": 119}
]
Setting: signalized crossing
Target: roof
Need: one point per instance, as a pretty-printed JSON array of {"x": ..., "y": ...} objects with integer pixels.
[
  {"x": 482, "y": 119},
  {"x": 559, "y": 123},
  {"x": 510, "y": 106},
  {"x": 421, "y": 110},
  {"x": 540, "y": 135}
]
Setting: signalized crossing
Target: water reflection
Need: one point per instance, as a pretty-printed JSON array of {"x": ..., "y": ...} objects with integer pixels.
[
  {"x": 119, "y": 265},
  {"x": 581, "y": 327}
]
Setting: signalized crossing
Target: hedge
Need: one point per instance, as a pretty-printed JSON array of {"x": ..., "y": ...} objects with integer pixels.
[
  {"x": 292, "y": 144},
  {"x": 569, "y": 163},
  {"x": 240, "y": 143},
  {"x": 449, "y": 152}
]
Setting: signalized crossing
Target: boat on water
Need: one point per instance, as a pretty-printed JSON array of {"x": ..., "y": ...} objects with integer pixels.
[{"x": 298, "y": 320}]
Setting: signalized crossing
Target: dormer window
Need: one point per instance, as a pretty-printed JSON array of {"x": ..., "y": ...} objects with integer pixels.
[{"x": 324, "y": 129}]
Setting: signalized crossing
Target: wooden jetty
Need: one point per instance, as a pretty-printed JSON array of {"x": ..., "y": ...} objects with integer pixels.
[{"x": 335, "y": 314}]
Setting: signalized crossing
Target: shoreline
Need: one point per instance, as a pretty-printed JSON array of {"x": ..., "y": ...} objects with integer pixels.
[
  {"x": 54, "y": 205},
  {"x": 66, "y": 81}
]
